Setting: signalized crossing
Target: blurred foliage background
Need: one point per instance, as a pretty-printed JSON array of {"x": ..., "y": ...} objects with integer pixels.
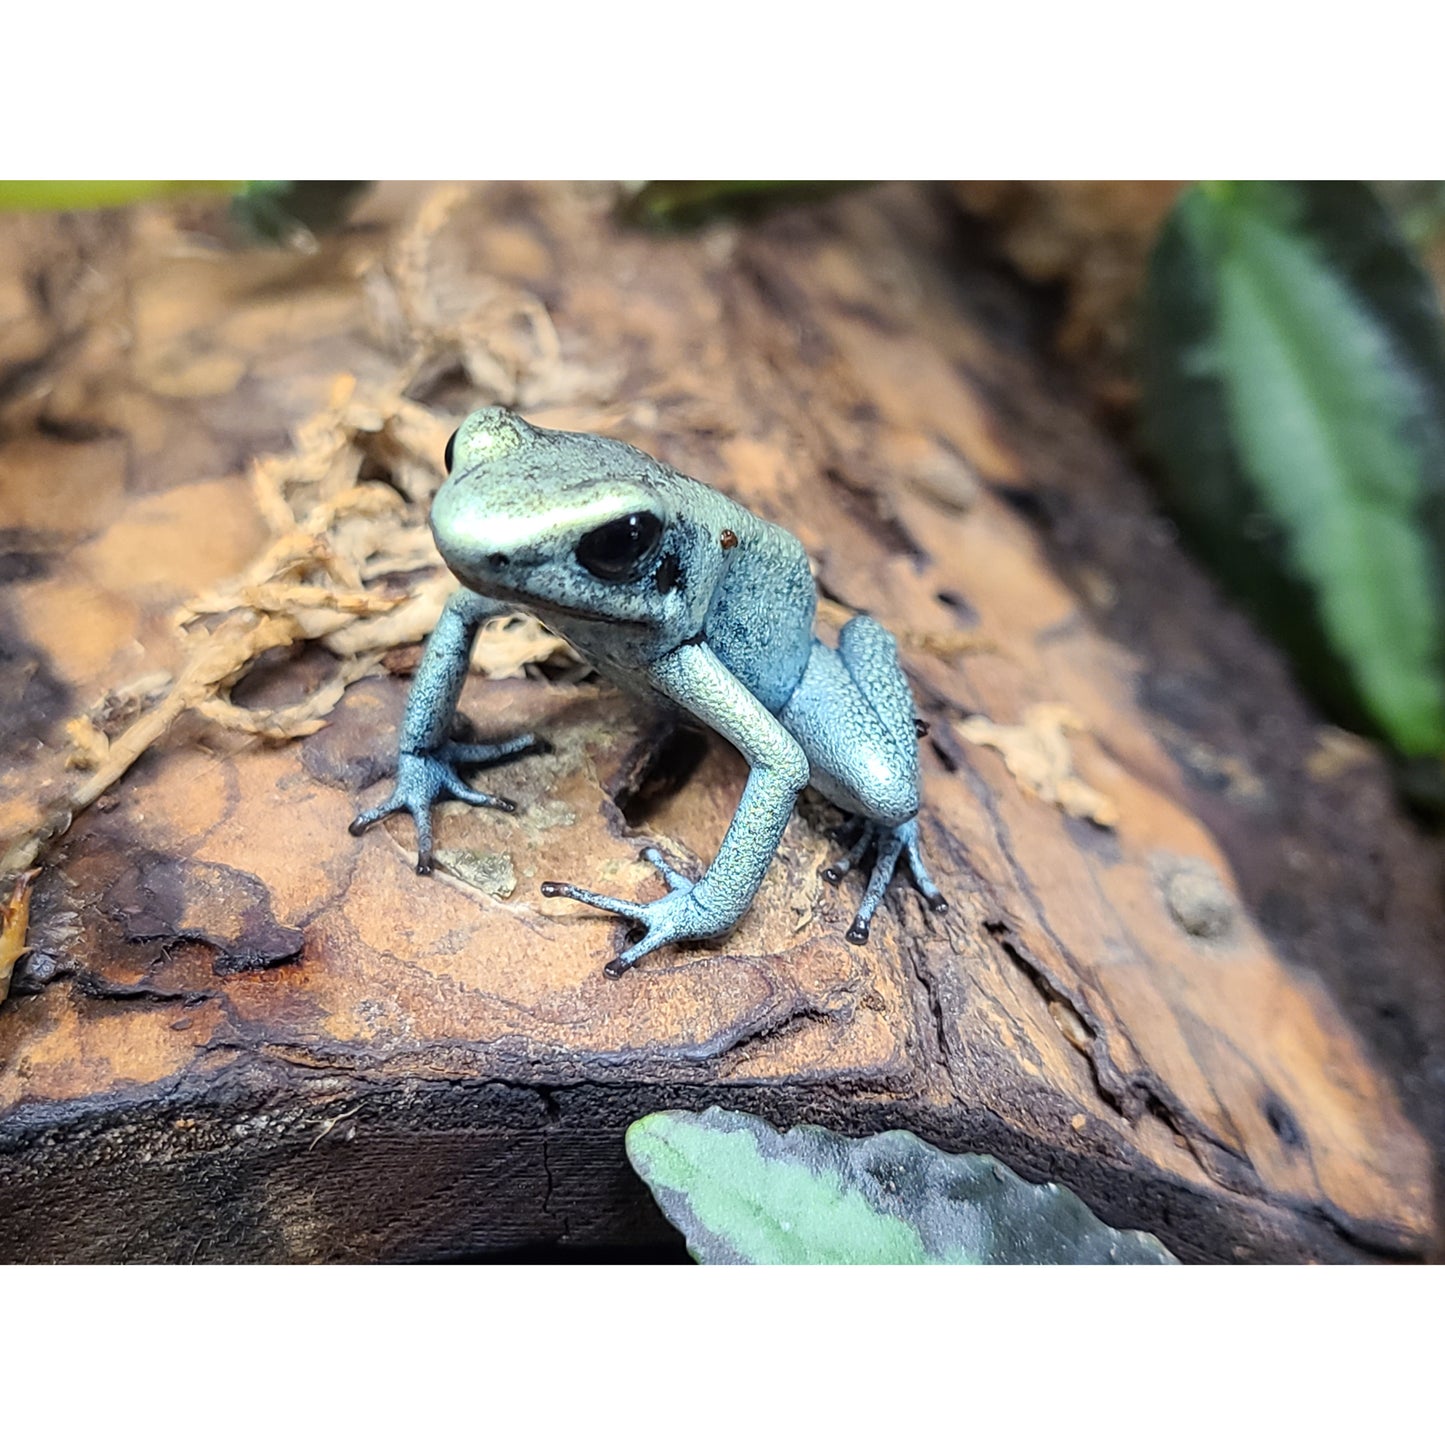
[
  {"x": 1292, "y": 364},
  {"x": 1276, "y": 351}
]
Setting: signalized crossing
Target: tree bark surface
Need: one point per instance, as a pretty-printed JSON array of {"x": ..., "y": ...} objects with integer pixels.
[{"x": 243, "y": 1034}]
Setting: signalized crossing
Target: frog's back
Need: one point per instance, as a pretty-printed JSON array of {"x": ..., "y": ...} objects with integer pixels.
[{"x": 760, "y": 623}]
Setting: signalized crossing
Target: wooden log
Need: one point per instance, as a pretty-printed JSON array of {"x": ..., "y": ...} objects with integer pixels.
[{"x": 244, "y": 1034}]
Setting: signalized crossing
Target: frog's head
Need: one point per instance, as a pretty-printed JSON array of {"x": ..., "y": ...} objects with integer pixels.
[{"x": 565, "y": 523}]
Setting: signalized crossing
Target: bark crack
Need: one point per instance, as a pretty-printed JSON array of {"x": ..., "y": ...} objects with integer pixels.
[{"x": 1136, "y": 1091}]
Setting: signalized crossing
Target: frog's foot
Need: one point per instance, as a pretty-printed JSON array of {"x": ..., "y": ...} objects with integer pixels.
[
  {"x": 425, "y": 779},
  {"x": 891, "y": 845},
  {"x": 676, "y": 916}
]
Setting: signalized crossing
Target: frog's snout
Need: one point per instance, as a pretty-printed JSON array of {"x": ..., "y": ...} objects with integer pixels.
[{"x": 485, "y": 548}]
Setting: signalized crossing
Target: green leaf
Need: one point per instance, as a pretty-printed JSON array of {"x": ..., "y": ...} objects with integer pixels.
[
  {"x": 744, "y": 1194},
  {"x": 284, "y": 212},
  {"x": 1418, "y": 206},
  {"x": 678, "y": 205},
  {"x": 1294, "y": 389},
  {"x": 96, "y": 195}
]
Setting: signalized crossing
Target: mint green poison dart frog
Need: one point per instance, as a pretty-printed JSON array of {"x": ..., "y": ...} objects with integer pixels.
[{"x": 673, "y": 591}]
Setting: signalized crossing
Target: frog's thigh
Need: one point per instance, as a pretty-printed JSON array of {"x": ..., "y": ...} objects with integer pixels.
[{"x": 852, "y": 714}]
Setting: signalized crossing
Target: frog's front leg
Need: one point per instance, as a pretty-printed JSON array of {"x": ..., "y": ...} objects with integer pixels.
[
  {"x": 693, "y": 677},
  {"x": 427, "y": 762}
]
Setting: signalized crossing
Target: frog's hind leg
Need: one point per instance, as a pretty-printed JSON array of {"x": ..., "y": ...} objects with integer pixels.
[{"x": 852, "y": 714}]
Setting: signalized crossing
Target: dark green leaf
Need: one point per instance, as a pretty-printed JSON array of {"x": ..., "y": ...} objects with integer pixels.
[
  {"x": 676, "y": 205},
  {"x": 1419, "y": 207},
  {"x": 281, "y": 212},
  {"x": 744, "y": 1194},
  {"x": 1294, "y": 389}
]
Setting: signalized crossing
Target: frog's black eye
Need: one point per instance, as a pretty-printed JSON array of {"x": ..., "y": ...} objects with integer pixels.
[
  {"x": 450, "y": 454},
  {"x": 620, "y": 551}
]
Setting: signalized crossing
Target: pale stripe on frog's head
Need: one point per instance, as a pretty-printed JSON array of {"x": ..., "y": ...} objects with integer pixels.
[{"x": 470, "y": 520}]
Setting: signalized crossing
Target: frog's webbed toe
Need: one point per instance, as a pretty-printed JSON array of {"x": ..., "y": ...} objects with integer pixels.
[
  {"x": 425, "y": 779},
  {"x": 675, "y": 917},
  {"x": 892, "y": 844}
]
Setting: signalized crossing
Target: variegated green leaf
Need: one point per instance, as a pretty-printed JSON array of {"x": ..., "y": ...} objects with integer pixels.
[{"x": 744, "y": 1194}]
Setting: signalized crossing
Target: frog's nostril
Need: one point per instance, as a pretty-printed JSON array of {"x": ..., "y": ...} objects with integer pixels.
[{"x": 496, "y": 559}]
